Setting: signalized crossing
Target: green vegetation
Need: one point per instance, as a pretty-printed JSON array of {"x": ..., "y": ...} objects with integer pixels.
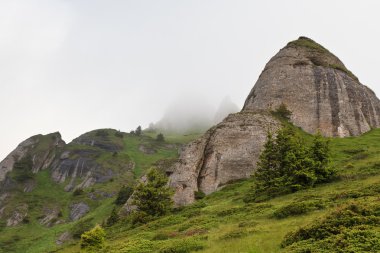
[
  {"x": 308, "y": 43},
  {"x": 222, "y": 222},
  {"x": 319, "y": 60},
  {"x": 93, "y": 240},
  {"x": 23, "y": 170},
  {"x": 352, "y": 228},
  {"x": 153, "y": 197},
  {"x": 282, "y": 112},
  {"x": 123, "y": 195},
  {"x": 287, "y": 165},
  {"x": 160, "y": 137}
]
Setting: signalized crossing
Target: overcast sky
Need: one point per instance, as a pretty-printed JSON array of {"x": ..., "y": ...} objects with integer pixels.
[{"x": 77, "y": 65}]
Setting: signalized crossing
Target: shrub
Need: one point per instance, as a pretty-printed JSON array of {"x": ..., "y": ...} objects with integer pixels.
[
  {"x": 182, "y": 246},
  {"x": 119, "y": 134},
  {"x": 160, "y": 137},
  {"x": 297, "y": 208},
  {"x": 160, "y": 237},
  {"x": 81, "y": 226},
  {"x": 113, "y": 218},
  {"x": 199, "y": 195},
  {"x": 93, "y": 239},
  {"x": 123, "y": 195},
  {"x": 282, "y": 112},
  {"x": 23, "y": 169},
  {"x": 78, "y": 191},
  {"x": 351, "y": 227},
  {"x": 101, "y": 133}
]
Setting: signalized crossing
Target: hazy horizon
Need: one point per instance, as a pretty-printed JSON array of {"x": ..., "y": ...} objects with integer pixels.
[{"x": 75, "y": 66}]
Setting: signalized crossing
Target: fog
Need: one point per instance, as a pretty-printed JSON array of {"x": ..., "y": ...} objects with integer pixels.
[
  {"x": 191, "y": 113},
  {"x": 74, "y": 66}
]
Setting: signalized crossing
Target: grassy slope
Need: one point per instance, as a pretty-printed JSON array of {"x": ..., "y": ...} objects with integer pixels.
[
  {"x": 222, "y": 222},
  {"x": 33, "y": 237}
]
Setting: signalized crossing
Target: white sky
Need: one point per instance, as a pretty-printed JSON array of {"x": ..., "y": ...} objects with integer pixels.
[{"x": 77, "y": 65}]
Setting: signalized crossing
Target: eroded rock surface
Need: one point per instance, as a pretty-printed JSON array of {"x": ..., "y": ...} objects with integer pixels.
[
  {"x": 41, "y": 148},
  {"x": 227, "y": 152},
  {"x": 78, "y": 210},
  {"x": 318, "y": 89}
]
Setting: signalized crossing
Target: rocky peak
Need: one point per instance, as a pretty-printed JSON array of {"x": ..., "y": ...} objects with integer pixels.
[
  {"x": 319, "y": 90},
  {"x": 41, "y": 148}
]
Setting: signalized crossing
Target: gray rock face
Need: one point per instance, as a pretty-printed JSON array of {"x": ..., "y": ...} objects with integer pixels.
[
  {"x": 64, "y": 237},
  {"x": 18, "y": 215},
  {"x": 42, "y": 149},
  {"x": 318, "y": 89},
  {"x": 227, "y": 152},
  {"x": 78, "y": 211}
]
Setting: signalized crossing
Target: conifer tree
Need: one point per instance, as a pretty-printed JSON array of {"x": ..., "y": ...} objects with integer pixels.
[{"x": 154, "y": 196}]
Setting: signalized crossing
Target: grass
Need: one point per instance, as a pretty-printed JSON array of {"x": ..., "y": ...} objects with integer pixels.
[
  {"x": 34, "y": 237},
  {"x": 222, "y": 222},
  {"x": 320, "y": 60}
]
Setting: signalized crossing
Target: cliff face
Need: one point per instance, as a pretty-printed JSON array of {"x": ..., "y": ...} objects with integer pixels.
[
  {"x": 41, "y": 148},
  {"x": 318, "y": 89},
  {"x": 227, "y": 152}
]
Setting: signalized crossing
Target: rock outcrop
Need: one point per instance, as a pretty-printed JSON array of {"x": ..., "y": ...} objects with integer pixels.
[
  {"x": 78, "y": 210},
  {"x": 41, "y": 148},
  {"x": 227, "y": 152},
  {"x": 318, "y": 89}
]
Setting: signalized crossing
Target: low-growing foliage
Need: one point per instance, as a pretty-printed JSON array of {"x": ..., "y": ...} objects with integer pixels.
[
  {"x": 93, "y": 240},
  {"x": 352, "y": 228}
]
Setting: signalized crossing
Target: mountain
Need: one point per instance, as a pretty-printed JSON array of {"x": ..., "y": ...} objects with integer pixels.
[
  {"x": 312, "y": 83},
  {"x": 318, "y": 89},
  {"x": 51, "y": 191}
]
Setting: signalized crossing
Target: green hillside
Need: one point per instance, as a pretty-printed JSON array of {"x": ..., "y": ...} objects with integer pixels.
[
  {"x": 341, "y": 216},
  {"x": 222, "y": 222},
  {"x": 128, "y": 164}
]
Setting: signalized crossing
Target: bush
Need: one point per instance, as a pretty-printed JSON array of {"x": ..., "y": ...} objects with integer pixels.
[
  {"x": 297, "y": 208},
  {"x": 23, "y": 169},
  {"x": 101, "y": 133},
  {"x": 352, "y": 228},
  {"x": 123, "y": 195},
  {"x": 182, "y": 246},
  {"x": 93, "y": 239},
  {"x": 282, "y": 112},
  {"x": 199, "y": 195},
  {"x": 119, "y": 134},
  {"x": 113, "y": 218},
  {"x": 78, "y": 191},
  {"x": 160, "y": 137},
  {"x": 160, "y": 237},
  {"x": 81, "y": 226}
]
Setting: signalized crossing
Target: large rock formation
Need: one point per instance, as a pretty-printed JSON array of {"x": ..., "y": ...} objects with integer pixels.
[
  {"x": 41, "y": 148},
  {"x": 318, "y": 89},
  {"x": 314, "y": 85},
  {"x": 227, "y": 152}
]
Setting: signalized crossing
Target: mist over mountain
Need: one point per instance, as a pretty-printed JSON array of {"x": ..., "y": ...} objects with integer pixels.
[{"x": 193, "y": 113}]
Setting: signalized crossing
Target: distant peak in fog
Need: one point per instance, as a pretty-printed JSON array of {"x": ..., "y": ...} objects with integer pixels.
[{"x": 192, "y": 113}]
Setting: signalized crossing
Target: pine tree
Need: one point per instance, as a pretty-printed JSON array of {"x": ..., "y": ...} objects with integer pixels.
[
  {"x": 286, "y": 164},
  {"x": 153, "y": 197},
  {"x": 114, "y": 217},
  {"x": 138, "y": 131},
  {"x": 123, "y": 195},
  {"x": 320, "y": 152}
]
